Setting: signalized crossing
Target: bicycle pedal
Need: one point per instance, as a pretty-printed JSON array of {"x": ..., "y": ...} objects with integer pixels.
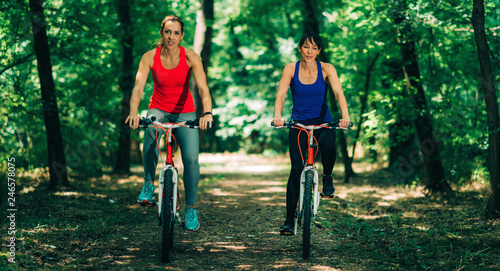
[
  {"x": 317, "y": 224},
  {"x": 327, "y": 196},
  {"x": 147, "y": 204},
  {"x": 286, "y": 232}
]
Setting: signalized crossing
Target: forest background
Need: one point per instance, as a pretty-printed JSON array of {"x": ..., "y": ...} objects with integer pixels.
[
  {"x": 95, "y": 47},
  {"x": 422, "y": 104}
]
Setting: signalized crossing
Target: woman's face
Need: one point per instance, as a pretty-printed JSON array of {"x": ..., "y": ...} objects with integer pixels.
[
  {"x": 172, "y": 34},
  {"x": 309, "y": 51}
]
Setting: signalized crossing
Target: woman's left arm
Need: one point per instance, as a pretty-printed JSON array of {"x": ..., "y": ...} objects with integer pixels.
[
  {"x": 194, "y": 61},
  {"x": 336, "y": 86}
]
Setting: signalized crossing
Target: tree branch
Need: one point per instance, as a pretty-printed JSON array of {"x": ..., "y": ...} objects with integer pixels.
[{"x": 25, "y": 59}]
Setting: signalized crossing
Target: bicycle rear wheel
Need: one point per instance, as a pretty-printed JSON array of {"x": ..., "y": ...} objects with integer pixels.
[
  {"x": 167, "y": 218},
  {"x": 307, "y": 215}
]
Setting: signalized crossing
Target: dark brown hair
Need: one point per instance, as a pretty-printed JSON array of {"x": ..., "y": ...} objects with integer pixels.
[{"x": 313, "y": 38}]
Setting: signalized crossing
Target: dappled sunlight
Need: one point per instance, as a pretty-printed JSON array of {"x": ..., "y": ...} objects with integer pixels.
[
  {"x": 132, "y": 179},
  {"x": 79, "y": 194},
  {"x": 269, "y": 190},
  {"x": 240, "y": 212},
  {"x": 324, "y": 267},
  {"x": 234, "y": 168},
  {"x": 219, "y": 192},
  {"x": 28, "y": 189},
  {"x": 258, "y": 168},
  {"x": 265, "y": 183},
  {"x": 242, "y": 163},
  {"x": 385, "y": 193}
]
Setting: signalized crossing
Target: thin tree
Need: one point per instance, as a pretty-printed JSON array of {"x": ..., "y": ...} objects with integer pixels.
[
  {"x": 488, "y": 86},
  {"x": 363, "y": 100},
  {"x": 55, "y": 147},
  {"x": 434, "y": 172},
  {"x": 203, "y": 46},
  {"x": 126, "y": 83}
]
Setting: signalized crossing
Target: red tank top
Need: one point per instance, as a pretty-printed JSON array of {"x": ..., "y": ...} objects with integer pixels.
[{"x": 171, "y": 91}]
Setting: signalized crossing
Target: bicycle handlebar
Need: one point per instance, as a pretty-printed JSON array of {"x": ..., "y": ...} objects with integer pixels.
[
  {"x": 146, "y": 122},
  {"x": 331, "y": 125}
]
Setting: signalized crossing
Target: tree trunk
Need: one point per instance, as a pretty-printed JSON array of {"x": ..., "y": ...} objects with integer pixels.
[
  {"x": 57, "y": 160},
  {"x": 126, "y": 83},
  {"x": 364, "y": 104},
  {"x": 311, "y": 23},
  {"x": 203, "y": 46},
  {"x": 434, "y": 172},
  {"x": 488, "y": 85}
]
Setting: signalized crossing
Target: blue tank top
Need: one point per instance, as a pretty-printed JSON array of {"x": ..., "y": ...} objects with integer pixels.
[{"x": 309, "y": 101}]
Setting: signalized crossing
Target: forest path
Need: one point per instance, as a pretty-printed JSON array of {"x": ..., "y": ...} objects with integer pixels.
[
  {"x": 241, "y": 205},
  {"x": 373, "y": 223}
]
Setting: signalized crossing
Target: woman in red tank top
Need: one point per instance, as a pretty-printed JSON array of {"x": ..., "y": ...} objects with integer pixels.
[{"x": 171, "y": 67}]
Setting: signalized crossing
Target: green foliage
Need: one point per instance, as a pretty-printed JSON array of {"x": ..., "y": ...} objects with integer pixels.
[{"x": 252, "y": 42}]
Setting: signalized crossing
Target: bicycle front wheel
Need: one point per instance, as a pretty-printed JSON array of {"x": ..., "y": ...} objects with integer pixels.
[
  {"x": 167, "y": 218},
  {"x": 307, "y": 214}
]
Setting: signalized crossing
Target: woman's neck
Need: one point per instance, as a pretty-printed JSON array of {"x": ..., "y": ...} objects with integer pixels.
[
  {"x": 171, "y": 53},
  {"x": 310, "y": 67}
]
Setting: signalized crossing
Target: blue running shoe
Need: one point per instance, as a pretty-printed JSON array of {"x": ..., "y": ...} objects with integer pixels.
[
  {"x": 191, "y": 219},
  {"x": 147, "y": 195}
]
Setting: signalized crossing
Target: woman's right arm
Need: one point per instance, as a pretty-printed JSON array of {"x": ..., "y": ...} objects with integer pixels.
[
  {"x": 140, "y": 81},
  {"x": 286, "y": 78}
]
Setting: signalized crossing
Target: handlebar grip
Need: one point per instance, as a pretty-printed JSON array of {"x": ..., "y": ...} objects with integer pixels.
[
  {"x": 193, "y": 123},
  {"x": 145, "y": 122}
]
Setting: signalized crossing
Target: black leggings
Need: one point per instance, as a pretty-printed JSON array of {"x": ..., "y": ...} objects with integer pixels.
[{"x": 326, "y": 142}]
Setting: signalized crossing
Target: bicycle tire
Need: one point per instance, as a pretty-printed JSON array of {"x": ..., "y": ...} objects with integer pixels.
[
  {"x": 167, "y": 218},
  {"x": 307, "y": 215}
]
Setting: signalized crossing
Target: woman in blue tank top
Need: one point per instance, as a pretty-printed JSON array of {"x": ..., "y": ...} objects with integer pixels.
[{"x": 307, "y": 80}]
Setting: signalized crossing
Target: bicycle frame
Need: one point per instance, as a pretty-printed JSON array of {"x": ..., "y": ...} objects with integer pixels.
[
  {"x": 309, "y": 166},
  {"x": 167, "y": 211},
  {"x": 308, "y": 184},
  {"x": 169, "y": 165}
]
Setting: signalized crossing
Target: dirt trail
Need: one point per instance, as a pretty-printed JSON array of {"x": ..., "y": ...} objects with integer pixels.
[
  {"x": 241, "y": 205},
  {"x": 373, "y": 223}
]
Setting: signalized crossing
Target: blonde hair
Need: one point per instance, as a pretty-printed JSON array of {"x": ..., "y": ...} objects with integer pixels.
[{"x": 171, "y": 18}]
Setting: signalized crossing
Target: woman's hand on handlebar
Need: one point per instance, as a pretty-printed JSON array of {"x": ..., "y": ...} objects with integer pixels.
[
  {"x": 344, "y": 123},
  {"x": 133, "y": 121},
  {"x": 278, "y": 122},
  {"x": 206, "y": 122}
]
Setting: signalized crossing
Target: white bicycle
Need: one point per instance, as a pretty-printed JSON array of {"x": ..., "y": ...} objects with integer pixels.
[
  {"x": 309, "y": 196},
  {"x": 169, "y": 201}
]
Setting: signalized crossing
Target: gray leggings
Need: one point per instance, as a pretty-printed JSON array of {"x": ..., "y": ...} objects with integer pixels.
[{"x": 188, "y": 141}]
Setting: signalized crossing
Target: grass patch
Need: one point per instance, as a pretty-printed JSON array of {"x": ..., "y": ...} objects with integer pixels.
[{"x": 422, "y": 233}]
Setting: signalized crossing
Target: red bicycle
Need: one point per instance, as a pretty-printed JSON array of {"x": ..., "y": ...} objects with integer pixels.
[
  {"x": 309, "y": 196},
  {"x": 169, "y": 201}
]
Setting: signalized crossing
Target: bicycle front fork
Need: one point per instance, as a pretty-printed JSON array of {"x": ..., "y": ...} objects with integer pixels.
[
  {"x": 316, "y": 197},
  {"x": 175, "y": 194}
]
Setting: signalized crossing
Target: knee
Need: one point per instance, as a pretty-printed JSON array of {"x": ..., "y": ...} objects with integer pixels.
[
  {"x": 296, "y": 170},
  {"x": 190, "y": 162}
]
